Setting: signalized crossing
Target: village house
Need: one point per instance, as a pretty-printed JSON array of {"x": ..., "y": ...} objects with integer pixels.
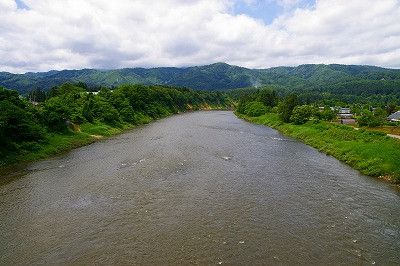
[
  {"x": 395, "y": 117},
  {"x": 344, "y": 110},
  {"x": 348, "y": 121},
  {"x": 344, "y": 113}
]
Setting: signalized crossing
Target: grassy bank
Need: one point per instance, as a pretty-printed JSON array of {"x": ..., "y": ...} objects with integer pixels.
[
  {"x": 70, "y": 116},
  {"x": 371, "y": 152},
  {"x": 56, "y": 143},
  {"x": 76, "y": 136}
]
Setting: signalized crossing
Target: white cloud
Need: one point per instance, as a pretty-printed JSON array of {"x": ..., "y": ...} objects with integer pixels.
[{"x": 78, "y": 34}]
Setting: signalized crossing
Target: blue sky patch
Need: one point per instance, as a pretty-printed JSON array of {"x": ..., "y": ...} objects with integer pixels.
[
  {"x": 21, "y": 5},
  {"x": 268, "y": 10}
]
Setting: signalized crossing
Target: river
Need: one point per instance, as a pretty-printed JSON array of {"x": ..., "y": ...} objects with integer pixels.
[{"x": 200, "y": 188}]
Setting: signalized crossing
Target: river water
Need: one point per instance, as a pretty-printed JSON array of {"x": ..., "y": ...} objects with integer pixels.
[{"x": 201, "y": 188}]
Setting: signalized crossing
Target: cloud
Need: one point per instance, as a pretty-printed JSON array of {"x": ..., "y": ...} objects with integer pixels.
[{"x": 79, "y": 34}]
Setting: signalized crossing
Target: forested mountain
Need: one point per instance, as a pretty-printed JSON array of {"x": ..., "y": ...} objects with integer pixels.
[{"x": 317, "y": 81}]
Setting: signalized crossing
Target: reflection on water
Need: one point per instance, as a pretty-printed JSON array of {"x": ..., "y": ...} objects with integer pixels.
[{"x": 199, "y": 188}]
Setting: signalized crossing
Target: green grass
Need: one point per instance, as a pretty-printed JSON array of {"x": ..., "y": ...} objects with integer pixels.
[
  {"x": 371, "y": 152},
  {"x": 62, "y": 142},
  {"x": 57, "y": 143},
  {"x": 100, "y": 129}
]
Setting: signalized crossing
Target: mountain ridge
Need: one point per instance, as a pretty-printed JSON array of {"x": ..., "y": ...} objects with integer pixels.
[{"x": 217, "y": 76}]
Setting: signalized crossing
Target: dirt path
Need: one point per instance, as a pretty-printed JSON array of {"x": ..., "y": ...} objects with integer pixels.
[{"x": 394, "y": 136}]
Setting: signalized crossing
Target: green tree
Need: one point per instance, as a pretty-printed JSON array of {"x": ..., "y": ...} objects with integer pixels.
[
  {"x": 327, "y": 114},
  {"x": 368, "y": 119},
  {"x": 302, "y": 114},
  {"x": 19, "y": 126},
  {"x": 53, "y": 92},
  {"x": 104, "y": 111},
  {"x": 380, "y": 116},
  {"x": 56, "y": 114},
  {"x": 267, "y": 97},
  {"x": 285, "y": 108},
  {"x": 256, "y": 109},
  {"x": 37, "y": 95}
]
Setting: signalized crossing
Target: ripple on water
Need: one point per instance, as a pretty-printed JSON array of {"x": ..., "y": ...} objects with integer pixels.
[{"x": 201, "y": 188}]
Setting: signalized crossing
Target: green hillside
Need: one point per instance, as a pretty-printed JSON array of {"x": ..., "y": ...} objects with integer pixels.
[{"x": 318, "y": 81}]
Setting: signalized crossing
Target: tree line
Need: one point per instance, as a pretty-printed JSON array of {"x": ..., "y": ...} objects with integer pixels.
[
  {"x": 27, "y": 122},
  {"x": 295, "y": 109}
]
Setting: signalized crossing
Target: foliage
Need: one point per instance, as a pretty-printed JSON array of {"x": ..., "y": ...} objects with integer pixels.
[
  {"x": 285, "y": 108},
  {"x": 37, "y": 95},
  {"x": 255, "y": 109},
  {"x": 19, "y": 128},
  {"x": 260, "y": 102},
  {"x": 26, "y": 129},
  {"x": 267, "y": 97},
  {"x": 327, "y": 114},
  {"x": 302, "y": 114},
  {"x": 312, "y": 83},
  {"x": 371, "y": 152},
  {"x": 370, "y": 119},
  {"x": 55, "y": 113}
]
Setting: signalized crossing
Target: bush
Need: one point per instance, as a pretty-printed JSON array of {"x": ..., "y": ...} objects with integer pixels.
[
  {"x": 301, "y": 114},
  {"x": 368, "y": 119},
  {"x": 255, "y": 109},
  {"x": 326, "y": 115},
  {"x": 55, "y": 114}
]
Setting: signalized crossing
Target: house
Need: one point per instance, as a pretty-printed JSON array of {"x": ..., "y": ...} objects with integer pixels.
[
  {"x": 395, "y": 117},
  {"x": 344, "y": 110},
  {"x": 344, "y": 113},
  {"x": 348, "y": 121}
]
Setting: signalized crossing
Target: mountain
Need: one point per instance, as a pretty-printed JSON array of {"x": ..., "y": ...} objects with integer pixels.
[{"x": 219, "y": 76}]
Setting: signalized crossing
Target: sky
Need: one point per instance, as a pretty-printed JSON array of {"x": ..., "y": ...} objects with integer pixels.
[{"x": 42, "y": 35}]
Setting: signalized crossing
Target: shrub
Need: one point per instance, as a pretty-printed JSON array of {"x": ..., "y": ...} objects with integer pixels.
[
  {"x": 255, "y": 109},
  {"x": 301, "y": 114}
]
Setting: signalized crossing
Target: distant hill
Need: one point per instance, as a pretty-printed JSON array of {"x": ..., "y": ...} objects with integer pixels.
[{"x": 220, "y": 76}]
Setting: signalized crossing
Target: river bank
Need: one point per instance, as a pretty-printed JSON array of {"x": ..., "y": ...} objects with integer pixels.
[
  {"x": 77, "y": 136},
  {"x": 371, "y": 152},
  {"x": 57, "y": 143},
  {"x": 199, "y": 188}
]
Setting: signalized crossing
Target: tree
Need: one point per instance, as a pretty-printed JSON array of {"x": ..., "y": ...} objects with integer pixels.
[
  {"x": 327, "y": 114},
  {"x": 368, "y": 119},
  {"x": 286, "y": 107},
  {"x": 55, "y": 114},
  {"x": 267, "y": 97},
  {"x": 256, "y": 109},
  {"x": 37, "y": 95},
  {"x": 380, "y": 116},
  {"x": 53, "y": 92},
  {"x": 104, "y": 111},
  {"x": 302, "y": 114},
  {"x": 244, "y": 100},
  {"x": 19, "y": 126}
]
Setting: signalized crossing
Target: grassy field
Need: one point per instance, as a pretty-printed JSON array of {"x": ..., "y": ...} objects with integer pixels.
[
  {"x": 387, "y": 129},
  {"x": 371, "y": 152}
]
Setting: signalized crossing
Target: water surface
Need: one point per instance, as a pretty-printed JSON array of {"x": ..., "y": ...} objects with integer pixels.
[{"x": 198, "y": 188}]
